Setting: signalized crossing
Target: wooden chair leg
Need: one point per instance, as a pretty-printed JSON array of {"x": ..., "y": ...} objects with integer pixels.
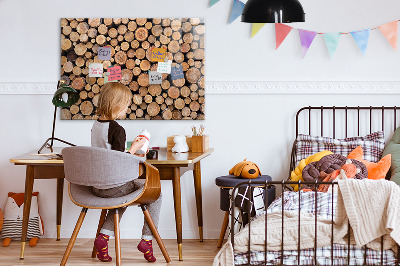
[
  {"x": 117, "y": 238},
  {"x": 223, "y": 229},
  {"x": 154, "y": 230},
  {"x": 73, "y": 237},
  {"x": 101, "y": 222}
]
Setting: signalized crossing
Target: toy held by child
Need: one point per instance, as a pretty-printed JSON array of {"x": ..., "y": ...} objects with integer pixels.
[
  {"x": 145, "y": 135},
  {"x": 114, "y": 100}
]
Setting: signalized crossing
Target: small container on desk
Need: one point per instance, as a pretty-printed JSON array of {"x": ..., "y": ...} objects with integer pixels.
[
  {"x": 200, "y": 143},
  {"x": 152, "y": 154}
]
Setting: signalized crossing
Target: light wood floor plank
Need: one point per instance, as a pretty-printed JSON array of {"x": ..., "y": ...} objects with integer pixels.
[{"x": 49, "y": 252}]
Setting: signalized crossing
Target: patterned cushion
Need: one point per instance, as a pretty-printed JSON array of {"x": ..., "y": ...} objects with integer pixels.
[{"x": 372, "y": 144}]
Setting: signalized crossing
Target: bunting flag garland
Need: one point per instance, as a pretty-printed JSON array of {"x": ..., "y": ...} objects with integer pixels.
[
  {"x": 389, "y": 30},
  {"x": 361, "y": 37},
  {"x": 256, "y": 27},
  {"x": 237, "y": 8},
  {"x": 332, "y": 41},
  {"x": 281, "y": 31},
  {"x": 213, "y": 2},
  {"x": 306, "y": 39}
]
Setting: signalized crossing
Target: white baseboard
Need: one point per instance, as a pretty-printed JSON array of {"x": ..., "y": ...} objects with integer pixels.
[{"x": 247, "y": 87}]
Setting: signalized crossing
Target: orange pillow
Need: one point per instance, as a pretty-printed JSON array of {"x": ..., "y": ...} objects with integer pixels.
[{"x": 375, "y": 170}]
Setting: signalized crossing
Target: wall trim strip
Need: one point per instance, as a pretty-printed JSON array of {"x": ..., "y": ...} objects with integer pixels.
[{"x": 248, "y": 87}]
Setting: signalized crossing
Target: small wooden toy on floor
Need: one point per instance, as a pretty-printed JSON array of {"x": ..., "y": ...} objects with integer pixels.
[{"x": 13, "y": 215}]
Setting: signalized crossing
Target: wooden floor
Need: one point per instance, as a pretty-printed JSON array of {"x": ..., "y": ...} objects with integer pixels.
[{"x": 50, "y": 252}]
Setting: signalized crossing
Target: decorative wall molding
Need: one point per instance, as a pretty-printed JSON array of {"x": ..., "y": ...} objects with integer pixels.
[
  {"x": 303, "y": 87},
  {"x": 250, "y": 87},
  {"x": 27, "y": 88}
]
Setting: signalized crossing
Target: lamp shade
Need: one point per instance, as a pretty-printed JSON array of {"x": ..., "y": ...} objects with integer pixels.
[
  {"x": 273, "y": 11},
  {"x": 65, "y": 96}
]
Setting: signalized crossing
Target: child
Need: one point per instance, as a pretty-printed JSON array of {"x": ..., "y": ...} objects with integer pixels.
[{"x": 114, "y": 101}]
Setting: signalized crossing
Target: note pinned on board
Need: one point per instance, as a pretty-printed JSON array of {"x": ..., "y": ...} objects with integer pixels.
[
  {"x": 104, "y": 53},
  {"x": 155, "y": 77},
  {"x": 177, "y": 72},
  {"x": 96, "y": 70},
  {"x": 158, "y": 54},
  {"x": 106, "y": 74},
  {"x": 115, "y": 73},
  {"x": 164, "y": 67}
]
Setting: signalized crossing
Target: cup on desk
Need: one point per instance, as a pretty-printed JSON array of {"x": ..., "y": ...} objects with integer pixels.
[{"x": 152, "y": 155}]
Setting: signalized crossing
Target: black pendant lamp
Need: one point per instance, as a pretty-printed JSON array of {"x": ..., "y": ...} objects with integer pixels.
[{"x": 273, "y": 11}]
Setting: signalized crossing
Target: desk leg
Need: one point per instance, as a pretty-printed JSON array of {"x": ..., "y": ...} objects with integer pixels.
[
  {"x": 199, "y": 204},
  {"x": 27, "y": 206},
  {"x": 176, "y": 182},
  {"x": 60, "y": 190}
]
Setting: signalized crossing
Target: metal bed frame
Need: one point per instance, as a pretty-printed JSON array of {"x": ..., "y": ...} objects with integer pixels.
[{"x": 284, "y": 184}]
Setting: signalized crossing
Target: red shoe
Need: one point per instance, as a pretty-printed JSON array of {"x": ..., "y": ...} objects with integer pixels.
[
  {"x": 146, "y": 247},
  {"x": 101, "y": 245}
]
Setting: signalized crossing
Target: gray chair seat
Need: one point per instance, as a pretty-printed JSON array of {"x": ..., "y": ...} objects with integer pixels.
[{"x": 83, "y": 196}]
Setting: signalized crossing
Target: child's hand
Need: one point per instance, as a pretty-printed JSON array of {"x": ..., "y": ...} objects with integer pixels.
[
  {"x": 142, "y": 155},
  {"x": 137, "y": 144}
]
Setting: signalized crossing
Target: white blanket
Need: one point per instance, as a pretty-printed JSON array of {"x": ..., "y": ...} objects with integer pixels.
[{"x": 373, "y": 209}]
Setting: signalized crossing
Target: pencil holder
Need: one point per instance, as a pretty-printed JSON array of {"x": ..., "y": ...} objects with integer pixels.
[{"x": 200, "y": 143}]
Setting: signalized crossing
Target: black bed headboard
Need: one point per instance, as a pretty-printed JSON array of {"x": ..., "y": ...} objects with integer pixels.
[
  {"x": 347, "y": 112},
  {"x": 344, "y": 121}
]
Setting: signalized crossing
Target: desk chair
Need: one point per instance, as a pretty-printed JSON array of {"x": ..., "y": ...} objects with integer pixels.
[{"x": 85, "y": 167}]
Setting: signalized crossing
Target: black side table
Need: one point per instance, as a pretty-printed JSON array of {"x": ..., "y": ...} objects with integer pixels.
[{"x": 226, "y": 183}]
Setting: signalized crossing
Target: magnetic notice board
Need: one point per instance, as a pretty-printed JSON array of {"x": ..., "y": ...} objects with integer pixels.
[{"x": 132, "y": 42}]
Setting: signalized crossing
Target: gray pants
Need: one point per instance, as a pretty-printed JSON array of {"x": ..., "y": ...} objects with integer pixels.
[{"x": 154, "y": 208}]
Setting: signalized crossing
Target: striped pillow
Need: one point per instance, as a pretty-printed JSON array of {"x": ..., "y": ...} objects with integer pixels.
[{"x": 372, "y": 145}]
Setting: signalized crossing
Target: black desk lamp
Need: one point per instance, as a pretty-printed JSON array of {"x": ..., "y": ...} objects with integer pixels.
[
  {"x": 273, "y": 11},
  {"x": 65, "y": 96}
]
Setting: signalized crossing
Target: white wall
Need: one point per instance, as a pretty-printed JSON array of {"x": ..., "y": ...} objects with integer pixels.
[{"x": 259, "y": 127}]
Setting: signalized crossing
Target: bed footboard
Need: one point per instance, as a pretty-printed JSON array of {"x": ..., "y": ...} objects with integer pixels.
[{"x": 309, "y": 256}]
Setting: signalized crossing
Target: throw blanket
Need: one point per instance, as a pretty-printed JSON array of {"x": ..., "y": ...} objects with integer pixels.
[
  {"x": 371, "y": 206},
  {"x": 373, "y": 209}
]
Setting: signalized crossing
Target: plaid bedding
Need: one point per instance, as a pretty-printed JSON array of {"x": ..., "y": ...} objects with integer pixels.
[
  {"x": 372, "y": 145},
  {"x": 324, "y": 257},
  {"x": 322, "y": 207}
]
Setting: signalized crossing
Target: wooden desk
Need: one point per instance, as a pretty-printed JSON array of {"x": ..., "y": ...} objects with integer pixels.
[{"x": 168, "y": 164}]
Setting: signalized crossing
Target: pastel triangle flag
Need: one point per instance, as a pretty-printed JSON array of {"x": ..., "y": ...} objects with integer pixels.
[
  {"x": 237, "y": 9},
  {"x": 213, "y": 2},
  {"x": 281, "y": 31},
  {"x": 332, "y": 41},
  {"x": 306, "y": 39},
  {"x": 361, "y": 37},
  {"x": 256, "y": 28},
  {"x": 389, "y": 30}
]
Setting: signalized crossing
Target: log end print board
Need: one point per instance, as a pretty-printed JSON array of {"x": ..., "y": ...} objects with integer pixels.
[{"x": 160, "y": 59}]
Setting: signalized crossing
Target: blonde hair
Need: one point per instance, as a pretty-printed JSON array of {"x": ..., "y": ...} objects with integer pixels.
[{"x": 113, "y": 98}]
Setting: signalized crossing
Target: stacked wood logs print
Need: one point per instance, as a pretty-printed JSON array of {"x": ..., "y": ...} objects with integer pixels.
[{"x": 132, "y": 41}]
